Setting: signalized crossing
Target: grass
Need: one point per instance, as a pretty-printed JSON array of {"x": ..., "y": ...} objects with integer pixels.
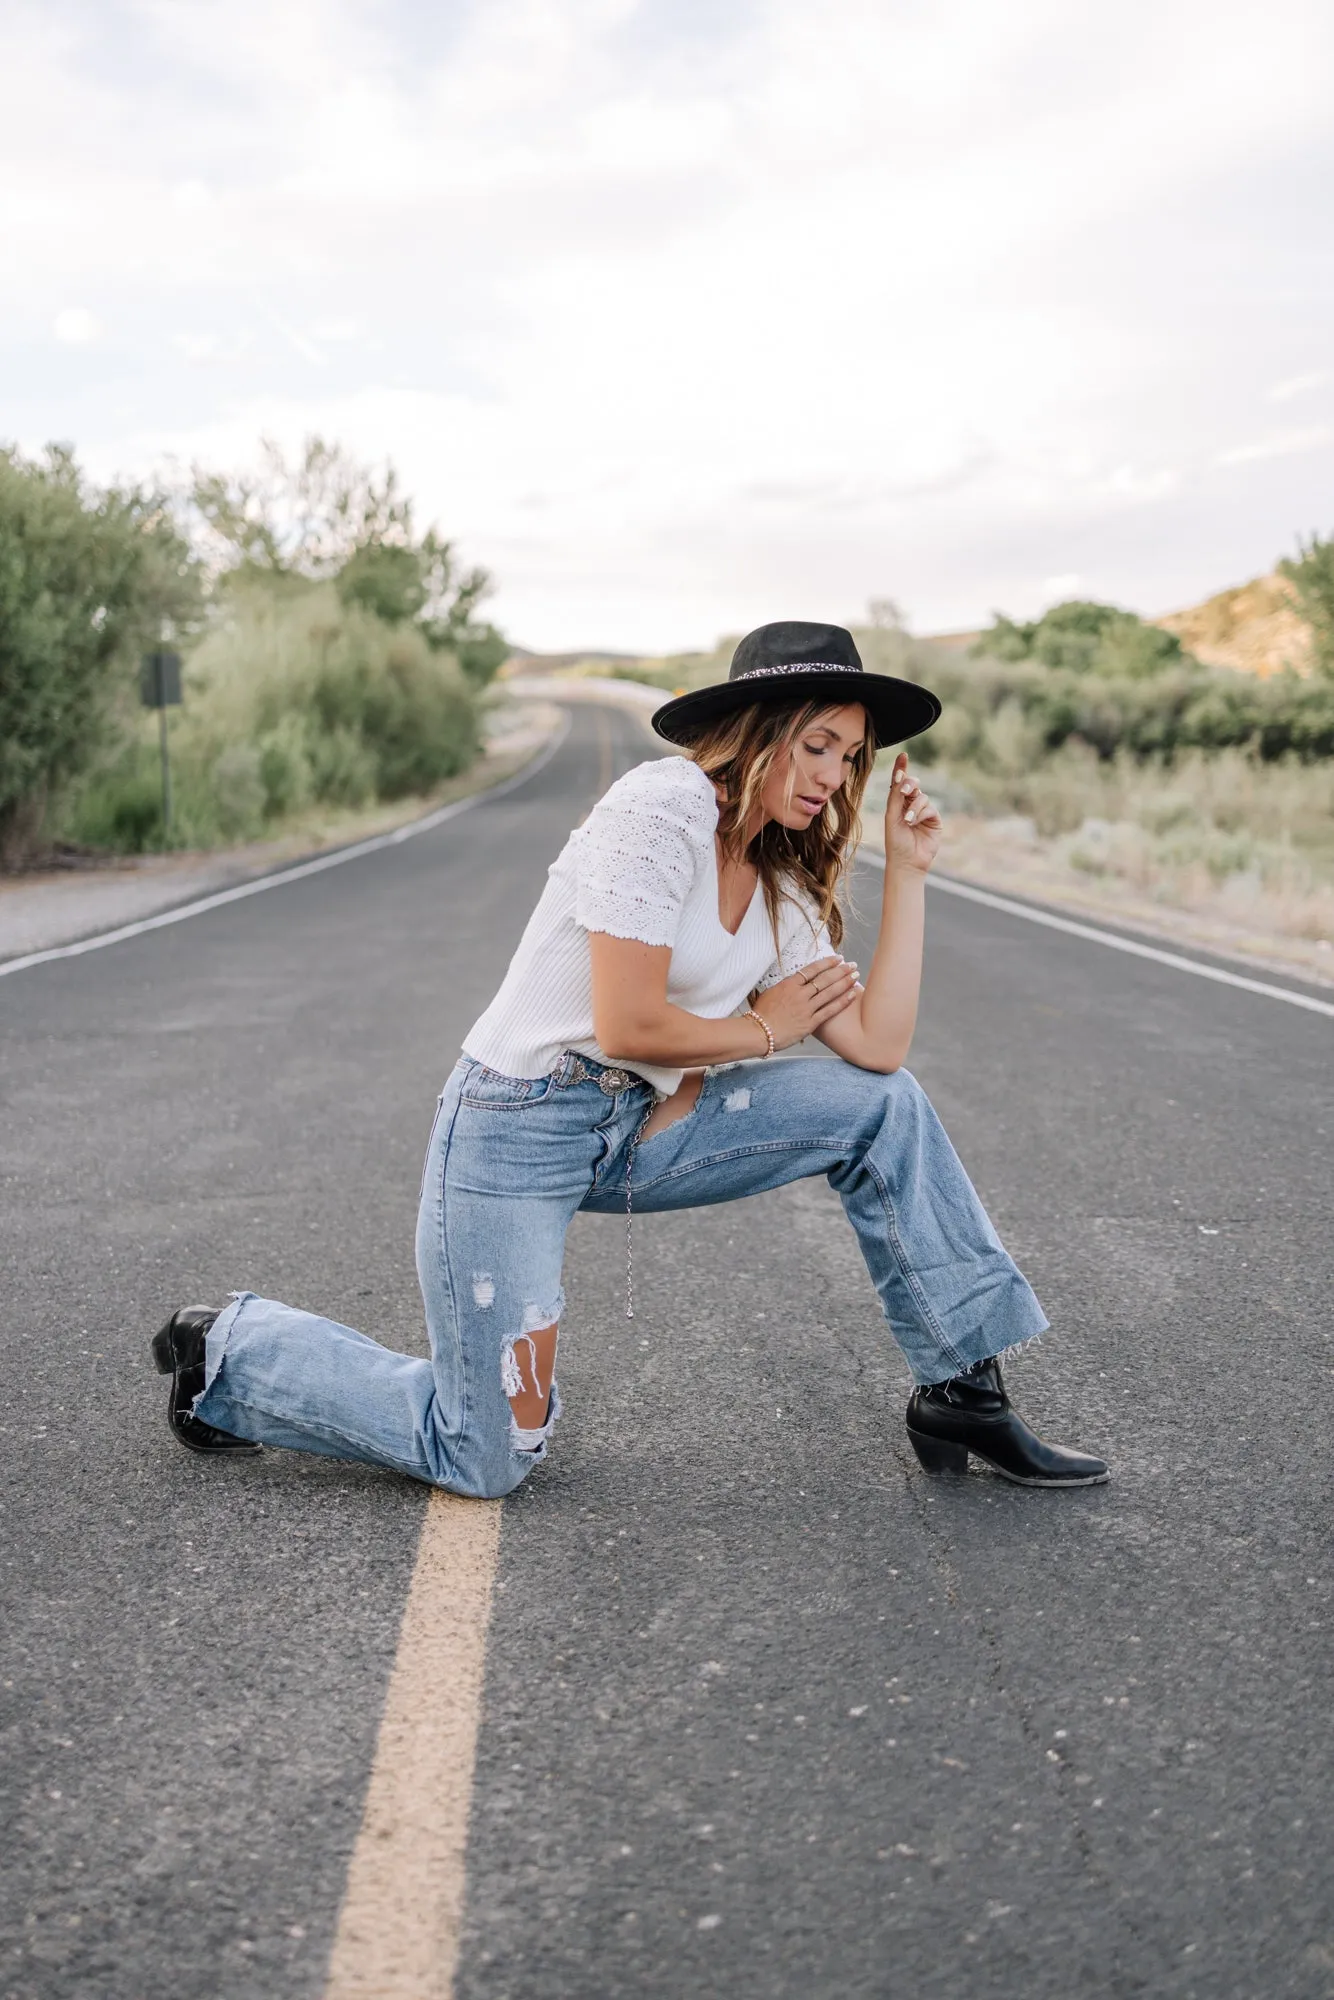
[{"x": 1245, "y": 846}]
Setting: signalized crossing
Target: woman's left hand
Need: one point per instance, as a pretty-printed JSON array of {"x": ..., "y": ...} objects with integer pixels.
[{"x": 912, "y": 822}]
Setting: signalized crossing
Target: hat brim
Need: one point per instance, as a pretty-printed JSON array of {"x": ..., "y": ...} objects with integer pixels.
[{"x": 897, "y": 709}]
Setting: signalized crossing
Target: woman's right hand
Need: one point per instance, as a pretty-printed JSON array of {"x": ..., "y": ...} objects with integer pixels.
[{"x": 796, "y": 1007}]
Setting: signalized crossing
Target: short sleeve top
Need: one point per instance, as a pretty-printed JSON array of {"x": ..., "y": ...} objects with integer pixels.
[{"x": 643, "y": 865}]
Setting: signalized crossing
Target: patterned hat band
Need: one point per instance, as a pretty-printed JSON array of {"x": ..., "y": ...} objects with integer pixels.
[
  {"x": 798, "y": 667},
  {"x": 800, "y": 659}
]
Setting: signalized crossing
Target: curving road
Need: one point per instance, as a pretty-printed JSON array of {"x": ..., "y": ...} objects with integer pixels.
[{"x": 766, "y": 1713}]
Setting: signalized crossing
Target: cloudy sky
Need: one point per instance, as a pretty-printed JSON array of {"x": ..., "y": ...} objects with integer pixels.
[{"x": 685, "y": 314}]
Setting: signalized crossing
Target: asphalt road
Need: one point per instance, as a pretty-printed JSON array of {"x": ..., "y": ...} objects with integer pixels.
[{"x": 767, "y": 1713}]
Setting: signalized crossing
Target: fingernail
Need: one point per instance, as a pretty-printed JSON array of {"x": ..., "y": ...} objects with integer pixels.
[{"x": 909, "y": 817}]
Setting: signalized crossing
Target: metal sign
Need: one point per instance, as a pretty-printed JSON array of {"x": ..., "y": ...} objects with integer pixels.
[
  {"x": 160, "y": 680},
  {"x": 160, "y": 688}
]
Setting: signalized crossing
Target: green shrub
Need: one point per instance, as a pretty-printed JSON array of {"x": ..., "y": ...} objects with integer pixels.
[
  {"x": 385, "y": 578},
  {"x": 87, "y": 578},
  {"x": 1080, "y": 637},
  {"x": 238, "y": 792},
  {"x": 285, "y": 767},
  {"x": 342, "y": 768},
  {"x": 333, "y": 704},
  {"x": 480, "y": 650},
  {"x": 1188, "y": 707},
  {"x": 292, "y": 699},
  {"x": 407, "y": 704},
  {"x": 341, "y": 664},
  {"x": 1312, "y": 570},
  {"x": 1128, "y": 649},
  {"x": 121, "y": 805}
]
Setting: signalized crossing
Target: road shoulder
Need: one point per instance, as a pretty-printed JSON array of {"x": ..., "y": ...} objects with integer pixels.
[
  {"x": 50, "y": 908},
  {"x": 1307, "y": 960}
]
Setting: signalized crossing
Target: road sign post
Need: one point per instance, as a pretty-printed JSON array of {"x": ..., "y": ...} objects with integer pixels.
[{"x": 160, "y": 688}]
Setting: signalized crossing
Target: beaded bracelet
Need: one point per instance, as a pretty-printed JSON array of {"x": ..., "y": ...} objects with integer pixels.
[{"x": 751, "y": 1015}]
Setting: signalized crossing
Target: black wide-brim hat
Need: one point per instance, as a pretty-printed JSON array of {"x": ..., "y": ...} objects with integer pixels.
[{"x": 795, "y": 661}]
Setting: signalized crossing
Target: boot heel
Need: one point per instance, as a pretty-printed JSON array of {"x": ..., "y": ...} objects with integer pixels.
[
  {"x": 938, "y": 1454},
  {"x": 163, "y": 1358}
]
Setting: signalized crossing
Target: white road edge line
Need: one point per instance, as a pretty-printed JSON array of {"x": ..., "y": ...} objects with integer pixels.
[
  {"x": 1115, "y": 943},
  {"x": 402, "y": 1911},
  {"x": 315, "y": 866}
]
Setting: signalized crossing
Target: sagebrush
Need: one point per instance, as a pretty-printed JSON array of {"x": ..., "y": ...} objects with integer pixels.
[
  {"x": 292, "y": 699},
  {"x": 87, "y": 578},
  {"x": 334, "y": 652}
]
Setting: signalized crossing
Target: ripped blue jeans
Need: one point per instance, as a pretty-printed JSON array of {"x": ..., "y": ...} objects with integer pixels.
[{"x": 512, "y": 1160}]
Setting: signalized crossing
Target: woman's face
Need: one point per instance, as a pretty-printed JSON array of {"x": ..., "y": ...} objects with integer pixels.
[{"x": 819, "y": 758}]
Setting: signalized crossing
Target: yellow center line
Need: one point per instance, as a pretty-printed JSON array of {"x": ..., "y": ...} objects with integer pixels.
[{"x": 398, "y": 1929}]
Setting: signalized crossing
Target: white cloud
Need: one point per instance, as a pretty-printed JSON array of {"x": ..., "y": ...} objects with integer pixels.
[
  {"x": 214, "y": 350},
  {"x": 190, "y": 197},
  {"x": 75, "y": 326},
  {"x": 1280, "y": 444},
  {"x": 1298, "y": 385},
  {"x": 1139, "y": 485},
  {"x": 1057, "y": 589},
  {"x": 679, "y": 319}
]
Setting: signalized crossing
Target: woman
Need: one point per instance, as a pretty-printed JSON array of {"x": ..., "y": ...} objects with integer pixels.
[{"x": 690, "y": 925}]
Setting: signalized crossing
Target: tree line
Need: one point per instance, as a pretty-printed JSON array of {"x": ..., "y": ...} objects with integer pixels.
[
  {"x": 334, "y": 650},
  {"x": 1098, "y": 674}
]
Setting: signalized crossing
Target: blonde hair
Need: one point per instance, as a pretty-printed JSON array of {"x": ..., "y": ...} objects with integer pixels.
[{"x": 738, "y": 753}]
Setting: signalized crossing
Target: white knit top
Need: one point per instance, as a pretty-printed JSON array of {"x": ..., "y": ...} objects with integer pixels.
[{"x": 643, "y": 865}]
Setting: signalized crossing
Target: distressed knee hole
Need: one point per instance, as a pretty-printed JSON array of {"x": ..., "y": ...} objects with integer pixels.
[
  {"x": 532, "y": 1440},
  {"x": 483, "y": 1289},
  {"x": 528, "y": 1376}
]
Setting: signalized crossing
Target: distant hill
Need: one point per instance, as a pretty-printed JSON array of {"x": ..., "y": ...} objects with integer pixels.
[{"x": 1255, "y": 628}]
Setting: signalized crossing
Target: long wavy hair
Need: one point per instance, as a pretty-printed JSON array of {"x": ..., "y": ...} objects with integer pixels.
[{"x": 737, "y": 753}]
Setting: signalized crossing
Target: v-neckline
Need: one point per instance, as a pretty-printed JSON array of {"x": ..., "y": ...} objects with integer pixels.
[{"x": 718, "y": 893}]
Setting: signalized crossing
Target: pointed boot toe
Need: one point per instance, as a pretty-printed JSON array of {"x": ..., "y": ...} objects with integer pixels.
[
  {"x": 972, "y": 1413},
  {"x": 178, "y": 1350}
]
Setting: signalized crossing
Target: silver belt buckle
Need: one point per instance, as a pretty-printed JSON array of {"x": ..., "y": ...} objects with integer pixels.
[{"x": 613, "y": 1081}]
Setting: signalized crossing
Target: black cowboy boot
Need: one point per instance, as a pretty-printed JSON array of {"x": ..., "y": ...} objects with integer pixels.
[
  {"x": 178, "y": 1351},
  {"x": 971, "y": 1412}
]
